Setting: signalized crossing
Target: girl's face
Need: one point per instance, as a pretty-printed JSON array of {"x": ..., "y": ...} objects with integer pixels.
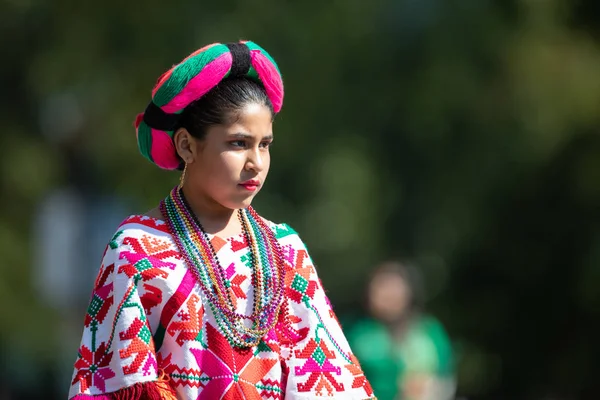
[{"x": 230, "y": 164}]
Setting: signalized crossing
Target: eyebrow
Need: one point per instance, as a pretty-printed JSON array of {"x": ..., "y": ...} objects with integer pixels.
[{"x": 241, "y": 135}]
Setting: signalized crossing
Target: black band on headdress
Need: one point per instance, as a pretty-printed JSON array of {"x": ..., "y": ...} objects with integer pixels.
[
  {"x": 241, "y": 59},
  {"x": 156, "y": 118}
]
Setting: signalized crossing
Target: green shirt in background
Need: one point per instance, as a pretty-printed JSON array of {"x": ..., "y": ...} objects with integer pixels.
[{"x": 424, "y": 352}]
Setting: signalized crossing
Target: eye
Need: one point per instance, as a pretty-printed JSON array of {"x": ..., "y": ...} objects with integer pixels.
[
  {"x": 238, "y": 143},
  {"x": 266, "y": 144}
]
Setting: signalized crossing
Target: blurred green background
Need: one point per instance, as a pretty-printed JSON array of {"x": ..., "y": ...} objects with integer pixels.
[{"x": 459, "y": 134}]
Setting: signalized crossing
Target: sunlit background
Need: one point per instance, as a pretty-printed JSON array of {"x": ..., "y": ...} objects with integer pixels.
[{"x": 460, "y": 135}]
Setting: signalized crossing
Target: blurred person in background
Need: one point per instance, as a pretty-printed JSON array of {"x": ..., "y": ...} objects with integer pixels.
[
  {"x": 405, "y": 354},
  {"x": 202, "y": 298}
]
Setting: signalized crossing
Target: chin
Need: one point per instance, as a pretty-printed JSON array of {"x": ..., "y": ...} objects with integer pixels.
[
  {"x": 239, "y": 203},
  {"x": 245, "y": 203}
]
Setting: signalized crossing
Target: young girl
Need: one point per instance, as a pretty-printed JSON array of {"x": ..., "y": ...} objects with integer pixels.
[{"x": 202, "y": 298}]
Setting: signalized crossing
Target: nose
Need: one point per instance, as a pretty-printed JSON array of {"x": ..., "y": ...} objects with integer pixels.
[{"x": 255, "y": 161}]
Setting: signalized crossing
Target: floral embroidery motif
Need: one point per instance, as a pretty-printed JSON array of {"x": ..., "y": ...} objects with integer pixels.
[{"x": 93, "y": 368}]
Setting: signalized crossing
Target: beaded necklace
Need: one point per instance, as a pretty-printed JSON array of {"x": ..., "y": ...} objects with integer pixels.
[{"x": 268, "y": 270}]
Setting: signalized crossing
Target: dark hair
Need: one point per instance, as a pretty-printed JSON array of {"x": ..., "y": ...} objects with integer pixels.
[
  {"x": 222, "y": 104},
  {"x": 407, "y": 272}
]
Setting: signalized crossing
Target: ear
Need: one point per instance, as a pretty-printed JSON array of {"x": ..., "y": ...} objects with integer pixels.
[{"x": 185, "y": 144}]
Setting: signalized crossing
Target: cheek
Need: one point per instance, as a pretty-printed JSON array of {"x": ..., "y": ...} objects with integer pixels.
[
  {"x": 223, "y": 169},
  {"x": 266, "y": 163},
  {"x": 232, "y": 164}
]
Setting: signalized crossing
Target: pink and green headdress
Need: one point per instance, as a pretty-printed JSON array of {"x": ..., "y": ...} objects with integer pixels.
[{"x": 191, "y": 79}]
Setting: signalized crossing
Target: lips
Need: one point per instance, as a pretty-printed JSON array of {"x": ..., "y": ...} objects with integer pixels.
[{"x": 250, "y": 185}]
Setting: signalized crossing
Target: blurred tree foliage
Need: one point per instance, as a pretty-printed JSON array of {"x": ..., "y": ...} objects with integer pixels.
[{"x": 459, "y": 134}]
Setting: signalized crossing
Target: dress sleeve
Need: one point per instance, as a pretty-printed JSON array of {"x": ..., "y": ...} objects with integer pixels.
[
  {"x": 116, "y": 357},
  {"x": 318, "y": 359}
]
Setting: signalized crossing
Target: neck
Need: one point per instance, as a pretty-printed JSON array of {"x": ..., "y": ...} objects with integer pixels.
[{"x": 213, "y": 216}]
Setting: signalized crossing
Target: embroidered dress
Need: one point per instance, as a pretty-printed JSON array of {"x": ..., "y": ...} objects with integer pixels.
[{"x": 148, "y": 319}]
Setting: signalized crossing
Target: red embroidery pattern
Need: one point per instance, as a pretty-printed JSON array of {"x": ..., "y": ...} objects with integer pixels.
[
  {"x": 191, "y": 321},
  {"x": 151, "y": 298},
  {"x": 182, "y": 376},
  {"x": 237, "y": 245},
  {"x": 235, "y": 280},
  {"x": 141, "y": 346},
  {"x": 319, "y": 369},
  {"x": 102, "y": 299},
  {"x": 146, "y": 221},
  {"x": 234, "y": 373},
  {"x": 360, "y": 380},
  {"x": 271, "y": 389},
  {"x": 93, "y": 367},
  {"x": 299, "y": 286}
]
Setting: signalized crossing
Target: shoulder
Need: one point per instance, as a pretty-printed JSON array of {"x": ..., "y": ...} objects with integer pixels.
[
  {"x": 142, "y": 246},
  {"x": 285, "y": 234},
  {"x": 295, "y": 252},
  {"x": 143, "y": 223},
  {"x": 139, "y": 227},
  {"x": 427, "y": 322},
  {"x": 433, "y": 328},
  {"x": 281, "y": 230}
]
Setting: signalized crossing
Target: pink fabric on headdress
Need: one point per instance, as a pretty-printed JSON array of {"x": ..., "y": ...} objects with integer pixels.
[
  {"x": 163, "y": 150},
  {"x": 270, "y": 78},
  {"x": 201, "y": 84},
  {"x": 164, "y": 77}
]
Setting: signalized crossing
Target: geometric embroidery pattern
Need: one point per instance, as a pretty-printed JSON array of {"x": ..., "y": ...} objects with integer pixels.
[
  {"x": 234, "y": 373},
  {"x": 140, "y": 346},
  {"x": 360, "y": 380},
  {"x": 318, "y": 367},
  {"x": 93, "y": 367},
  {"x": 190, "y": 321},
  {"x": 145, "y": 296}
]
